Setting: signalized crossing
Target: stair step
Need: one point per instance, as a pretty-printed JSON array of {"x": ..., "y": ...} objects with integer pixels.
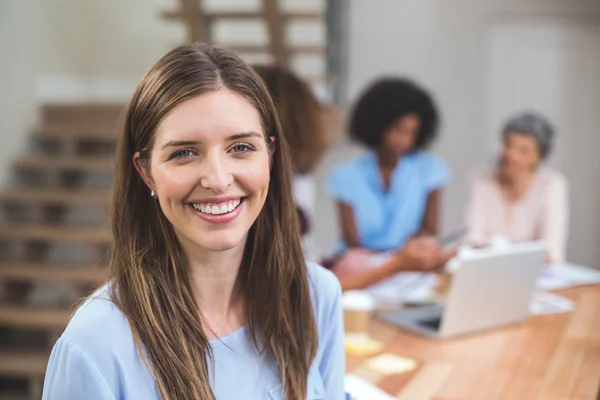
[
  {"x": 31, "y": 317},
  {"x": 74, "y": 132},
  {"x": 54, "y": 196},
  {"x": 310, "y": 15},
  {"x": 85, "y": 234},
  {"x": 34, "y": 272},
  {"x": 12, "y": 396},
  {"x": 61, "y": 163},
  {"x": 253, "y": 48},
  {"x": 82, "y": 114},
  {"x": 24, "y": 364}
]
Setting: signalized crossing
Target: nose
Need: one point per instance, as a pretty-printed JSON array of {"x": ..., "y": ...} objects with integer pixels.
[{"x": 215, "y": 174}]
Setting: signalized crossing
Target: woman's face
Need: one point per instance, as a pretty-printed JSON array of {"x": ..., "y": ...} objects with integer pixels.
[
  {"x": 520, "y": 154},
  {"x": 210, "y": 168},
  {"x": 400, "y": 138}
]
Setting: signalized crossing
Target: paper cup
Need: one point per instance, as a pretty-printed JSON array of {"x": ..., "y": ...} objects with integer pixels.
[{"x": 358, "y": 307}]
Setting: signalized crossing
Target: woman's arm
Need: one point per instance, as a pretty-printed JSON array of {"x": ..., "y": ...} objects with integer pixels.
[
  {"x": 556, "y": 220},
  {"x": 348, "y": 224},
  {"x": 430, "y": 224},
  {"x": 332, "y": 360},
  {"x": 367, "y": 277},
  {"x": 476, "y": 214},
  {"x": 421, "y": 254}
]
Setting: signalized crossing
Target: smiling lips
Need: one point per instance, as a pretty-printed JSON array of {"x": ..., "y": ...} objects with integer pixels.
[
  {"x": 217, "y": 208},
  {"x": 219, "y": 211}
]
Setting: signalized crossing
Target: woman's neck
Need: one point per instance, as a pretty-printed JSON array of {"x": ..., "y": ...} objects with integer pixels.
[
  {"x": 515, "y": 185},
  {"x": 216, "y": 288},
  {"x": 386, "y": 159}
]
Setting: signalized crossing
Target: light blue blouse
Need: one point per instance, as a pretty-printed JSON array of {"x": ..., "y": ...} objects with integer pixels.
[
  {"x": 96, "y": 357},
  {"x": 386, "y": 219}
]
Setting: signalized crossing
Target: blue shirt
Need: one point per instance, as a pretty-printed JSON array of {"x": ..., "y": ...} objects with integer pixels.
[
  {"x": 387, "y": 218},
  {"x": 96, "y": 357}
]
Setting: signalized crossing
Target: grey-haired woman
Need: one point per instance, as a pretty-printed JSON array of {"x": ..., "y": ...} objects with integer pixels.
[{"x": 518, "y": 198}]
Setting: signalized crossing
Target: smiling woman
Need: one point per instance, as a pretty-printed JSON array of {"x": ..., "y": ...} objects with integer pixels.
[
  {"x": 211, "y": 154},
  {"x": 209, "y": 282}
]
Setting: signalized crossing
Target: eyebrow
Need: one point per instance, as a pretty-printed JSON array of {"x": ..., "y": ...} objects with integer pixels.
[{"x": 237, "y": 136}]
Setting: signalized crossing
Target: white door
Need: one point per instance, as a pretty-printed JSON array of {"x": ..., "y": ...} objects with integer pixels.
[{"x": 554, "y": 67}]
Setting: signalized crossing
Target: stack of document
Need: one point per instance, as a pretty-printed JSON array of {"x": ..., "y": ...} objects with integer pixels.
[
  {"x": 359, "y": 389},
  {"x": 564, "y": 276},
  {"x": 548, "y": 303}
]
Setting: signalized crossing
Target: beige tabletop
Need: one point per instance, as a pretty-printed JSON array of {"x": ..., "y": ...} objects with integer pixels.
[{"x": 549, "y": 357}]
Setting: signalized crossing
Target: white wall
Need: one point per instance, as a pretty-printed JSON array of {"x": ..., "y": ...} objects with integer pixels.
[
  {"x": 98, "y": 49},
  {"x": 19, "y": 66}
]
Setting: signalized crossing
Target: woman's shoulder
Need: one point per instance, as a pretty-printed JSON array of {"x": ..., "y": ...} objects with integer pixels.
[
  {"x": 427, "y": 162},
  {"x": 325, "y": 288},
  {"x": 425, "y": 157},
  {"x": 552, "y": 179},
  {"x": 97, "y": 354},
  {"x": 354, "y": 165},
  {"x": 432, "y": 168},
  {"x": 346, "y": 179},
  {"x": 482, "y": 176},
  {"x": 552, "y": 176},
  {"x": 98, "y": 325}
]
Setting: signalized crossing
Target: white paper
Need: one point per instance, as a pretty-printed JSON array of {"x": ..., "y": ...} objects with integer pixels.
[
  {"x": 405, "y": 287},
  {"x": 563, "y": 276},
  {"x": 547, "y": 303},
  {"x": 359, "y": 389}
]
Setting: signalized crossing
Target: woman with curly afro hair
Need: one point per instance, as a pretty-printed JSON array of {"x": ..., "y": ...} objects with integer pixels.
[{"x": 388, "y": 200}]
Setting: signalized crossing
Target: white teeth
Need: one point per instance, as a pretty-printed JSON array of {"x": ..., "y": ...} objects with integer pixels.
[{"x": 217, "y": 209}]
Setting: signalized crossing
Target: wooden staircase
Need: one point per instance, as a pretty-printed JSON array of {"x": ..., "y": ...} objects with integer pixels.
[
  {"x": 53, "y": 236},
  {"x": 277, "y": 47}
]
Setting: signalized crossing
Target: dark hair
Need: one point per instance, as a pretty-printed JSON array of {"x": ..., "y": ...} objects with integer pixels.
[
  {"x": 150, "y": 283},
  {"x": 300, "y": 115},
  {"x": 387, "y": 100},
  {"x": 534, "y": 125}
]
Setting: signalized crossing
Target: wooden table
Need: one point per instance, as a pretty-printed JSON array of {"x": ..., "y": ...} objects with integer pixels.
[{"x": 549, "y": 357}]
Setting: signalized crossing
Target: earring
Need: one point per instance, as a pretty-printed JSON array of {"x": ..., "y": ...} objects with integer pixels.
[{"x": 153, "y": 194}]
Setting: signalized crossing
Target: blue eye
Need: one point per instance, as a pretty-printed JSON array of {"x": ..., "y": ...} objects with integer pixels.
[
  {"x": 183, "y": 153},
  {"x": 242, "y": 148}
]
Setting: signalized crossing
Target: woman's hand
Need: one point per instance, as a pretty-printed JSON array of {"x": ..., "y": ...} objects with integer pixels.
[{"x": 422, "y": 254}]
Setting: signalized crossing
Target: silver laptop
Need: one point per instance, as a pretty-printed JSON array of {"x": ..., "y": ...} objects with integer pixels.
[{"x": 492, "y": 287}]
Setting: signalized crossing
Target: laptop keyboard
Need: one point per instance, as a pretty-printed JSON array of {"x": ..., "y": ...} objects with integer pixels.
[{"x": 433, "y": 323}]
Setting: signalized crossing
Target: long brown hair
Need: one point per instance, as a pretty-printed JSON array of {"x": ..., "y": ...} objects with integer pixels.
[
  {"x": 150, "y": 284},
  {"x": 300, "y": 114}
]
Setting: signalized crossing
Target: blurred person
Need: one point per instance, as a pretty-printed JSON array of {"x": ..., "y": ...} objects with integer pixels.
[
  {"x": 519, "y": 198},
  {"x": 209, "y": 281},
  {"x": 392, "y": 194},
  {"x": 301, "y": 118}
]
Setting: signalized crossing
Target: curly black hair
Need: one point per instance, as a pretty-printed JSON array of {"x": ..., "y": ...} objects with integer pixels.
[{"x": 386, "y": 100}]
